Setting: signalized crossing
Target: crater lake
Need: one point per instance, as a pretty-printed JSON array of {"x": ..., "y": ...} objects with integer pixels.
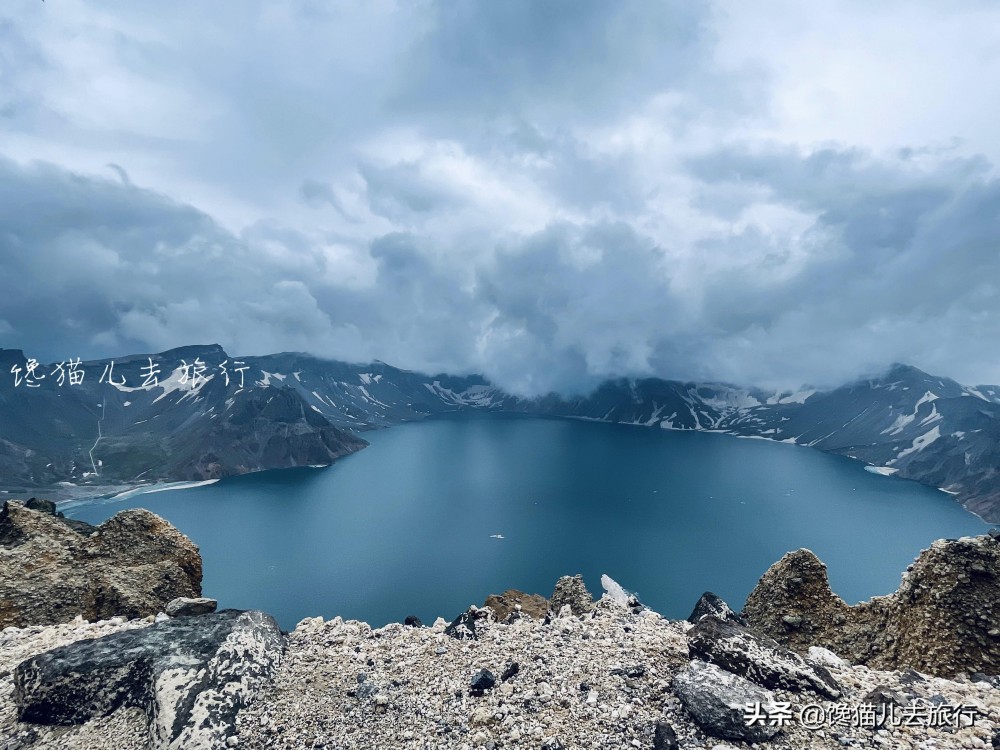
[{"x": 435, "y": 515}]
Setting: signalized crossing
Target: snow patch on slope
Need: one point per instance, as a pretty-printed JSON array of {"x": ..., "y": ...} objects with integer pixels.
[
  {"x": 726, "y": 398},
  {"x": 180, "y": 380},
  {"x": 797, "y": 397},
  {"x": 476, "y": 395},
  {"x": 919, "y": 444},
  {"x": 266, "y": 380}
]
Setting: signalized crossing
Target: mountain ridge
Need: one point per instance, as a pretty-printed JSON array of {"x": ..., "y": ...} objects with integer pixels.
[{"x": 210, "y": 415}]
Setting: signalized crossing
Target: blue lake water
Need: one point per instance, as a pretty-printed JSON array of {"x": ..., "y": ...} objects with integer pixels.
[{"x": 404, "y": 526}]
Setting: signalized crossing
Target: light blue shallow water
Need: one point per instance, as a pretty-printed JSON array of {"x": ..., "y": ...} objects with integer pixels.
[{"x": 404, "y": 527}]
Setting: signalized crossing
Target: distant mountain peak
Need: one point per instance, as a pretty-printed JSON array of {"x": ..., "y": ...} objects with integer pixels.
[
  {"x": 213, "y": 351},
  {"x": 900, "y": 370}
]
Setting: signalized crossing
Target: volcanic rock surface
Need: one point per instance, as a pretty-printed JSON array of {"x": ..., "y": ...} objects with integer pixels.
[
  {"x": 131, "y": 565},
  {"x": 944, "y": 618}
]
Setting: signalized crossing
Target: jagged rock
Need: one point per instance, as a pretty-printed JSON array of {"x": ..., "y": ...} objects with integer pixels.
[
  {"x": 413, "y": 621},
  {"x": 717, "y": 699},
  {"x": 619, "y": 595},
  {"x": 509, "y": 671},
  {"x": 49, "y": 507},
  {"x": 571, "y": 591},
  {"x": 711, "y": 604},
  {"x": 482, "y": 681},
  {"x": 741, "y": 651},
  {"x": 184, "y": 606},
  {"x": 513, "y": 603},
  {"x": 42, "y": 506},
  {"x": 190, "y": 676},
  {"x": 463, "y": 627},
  {"x": 132, "y": 565},
  {"x": 664, "y": 737},
  {"x": 615, "y": 591},
  {"x": 941, "y": 620}
]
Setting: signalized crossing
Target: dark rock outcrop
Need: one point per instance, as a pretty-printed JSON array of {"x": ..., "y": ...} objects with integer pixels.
[
  {"x": 943, "y": 619},
  {"x": 131, "y": 565},
  {"x": 514, "y": 603},
  {"x": 717, "y": 702},
  {"x": 510, "y": 671},
  {"x": 482, "y": 681},
  {"x": 463, "y": 627},
  {"x": 741, "y": 651},
  {"x": 190, "y": 676},
  {"x": 712, "y": 604},
  {"x": 664, "y": 737},
  {"x": 571, "y": 591}
]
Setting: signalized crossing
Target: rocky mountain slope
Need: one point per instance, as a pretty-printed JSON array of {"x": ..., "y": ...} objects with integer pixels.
[
  {"x": 295, "y": 409},
  {"x": 573, "y": 674},
  {"x": 944, "y": 619},
  {"x": 157, "y": 417},
  {"x": 52, "y": 570}
]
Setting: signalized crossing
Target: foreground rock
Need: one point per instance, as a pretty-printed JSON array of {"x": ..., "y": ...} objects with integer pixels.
[
  {"x": 741, "y": 651},
  {"x": 717, "y": 701},
  {"x": 131, "y": 565},
  {"x": 184, "y": 606},
  {"x": 606, "y": 680},
  {"x": 944, "y": 619},
  {"x": 611, "y": 678},
  {"x": 189, "y": 676}
]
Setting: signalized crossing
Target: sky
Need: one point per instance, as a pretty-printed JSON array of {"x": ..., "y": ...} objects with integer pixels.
[{"x": 546, "y": 192}]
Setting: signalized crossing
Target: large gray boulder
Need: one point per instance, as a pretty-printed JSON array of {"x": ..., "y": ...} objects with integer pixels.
[
  {"x": 741, "y": 651},
  {"x": 190, "y": 676},
  {"x": 717, "y": 701}
]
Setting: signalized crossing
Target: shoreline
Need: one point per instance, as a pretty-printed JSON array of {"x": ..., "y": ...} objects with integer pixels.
[{"x": 67, "y": 496}]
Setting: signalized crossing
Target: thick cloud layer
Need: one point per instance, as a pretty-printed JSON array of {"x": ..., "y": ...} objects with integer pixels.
[{"x": 549, "y": 194}]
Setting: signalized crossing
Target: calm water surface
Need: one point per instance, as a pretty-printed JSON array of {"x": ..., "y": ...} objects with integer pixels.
[{"x": 404, "y": 527}]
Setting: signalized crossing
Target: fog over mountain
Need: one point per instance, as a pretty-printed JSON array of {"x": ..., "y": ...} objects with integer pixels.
[{"x": 548, "y": 194}]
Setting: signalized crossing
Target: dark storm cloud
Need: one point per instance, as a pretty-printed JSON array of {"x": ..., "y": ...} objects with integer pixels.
[
  {"x": 554, "y": 58},
  {"x": 899, "y": 252},
  {"x": 584, "y": 302},
  {"x": 116, "y": 269},
  {"x": 546, "y": 192}
]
